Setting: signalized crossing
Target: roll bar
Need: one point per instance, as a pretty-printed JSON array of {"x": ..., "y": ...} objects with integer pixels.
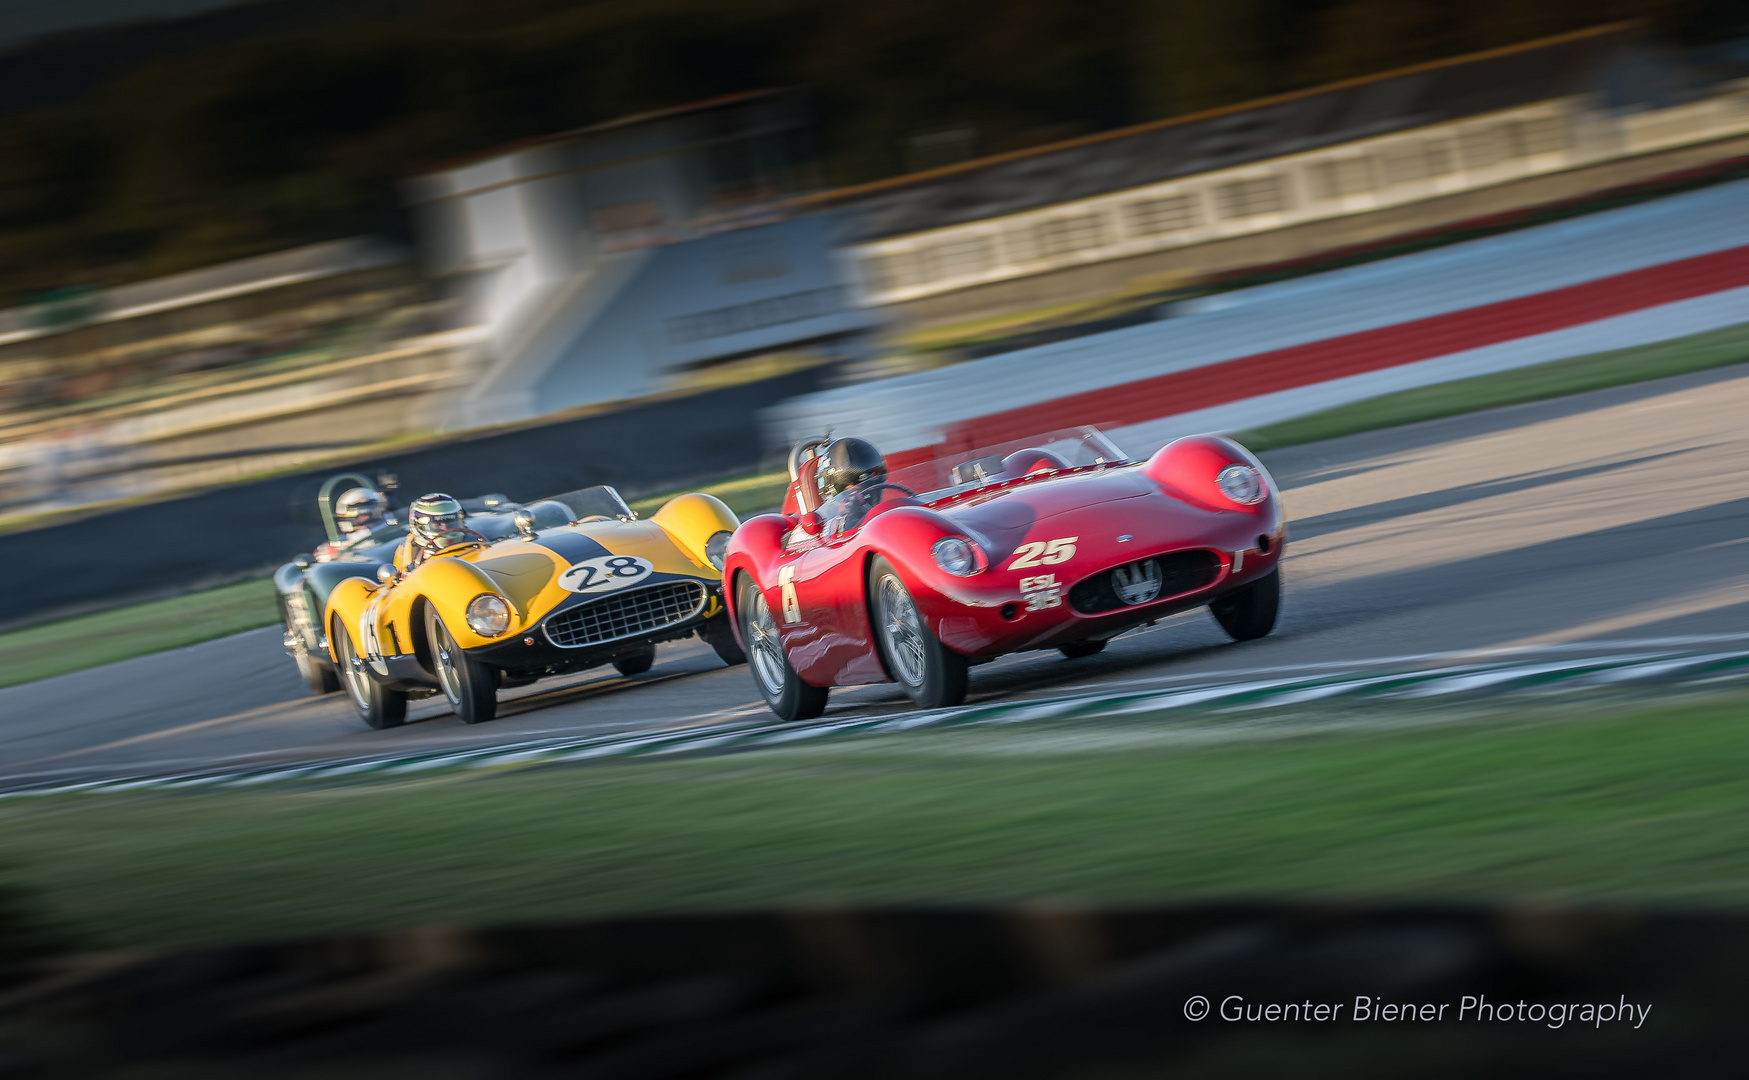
[
  {"x": 325, "y": 499},
  {"x": 805, "y": 449}
]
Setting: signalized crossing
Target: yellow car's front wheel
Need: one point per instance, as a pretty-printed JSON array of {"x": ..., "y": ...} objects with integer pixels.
[
  {"x": 377, "y": 705},
  {"x": 470, "y": 686}
]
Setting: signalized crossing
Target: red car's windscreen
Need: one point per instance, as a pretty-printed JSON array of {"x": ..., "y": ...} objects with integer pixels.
[{"x": 957, "y": 469}]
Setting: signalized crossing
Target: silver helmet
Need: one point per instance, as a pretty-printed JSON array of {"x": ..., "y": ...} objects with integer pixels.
[
  {"x": 432, "y": 515},
  {"x": 360, "y": 508}
]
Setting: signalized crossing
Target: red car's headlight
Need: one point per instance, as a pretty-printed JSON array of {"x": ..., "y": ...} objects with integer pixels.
[
  {"x": 1241, "y": 483},
  {"x": 958, "y": 556}
]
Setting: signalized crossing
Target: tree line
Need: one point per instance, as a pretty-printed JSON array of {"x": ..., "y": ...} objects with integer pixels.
[{"x": 131, "y": 152}]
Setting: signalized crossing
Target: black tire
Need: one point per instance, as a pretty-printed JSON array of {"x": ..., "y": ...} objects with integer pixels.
[
  {"x": 317, "y": 673},
  {"x": 931, "y": 674},
  {"x": 470, "y": 686},
  {"x": 1075, "y": 650},
  {"x": 717, "y": 634},
  {"x": 637, "y": 663},
  {"x": 1249, "y": 613},
  {"x": 789, "y": 697},
  {"x": 377, "y": 705}
]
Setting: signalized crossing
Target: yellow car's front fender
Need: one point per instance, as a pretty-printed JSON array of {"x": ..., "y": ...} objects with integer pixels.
[
  {"x": 691, "y": 520},
  {"x": 346, "y": 605},
  {"x": 448, "y": 585}
]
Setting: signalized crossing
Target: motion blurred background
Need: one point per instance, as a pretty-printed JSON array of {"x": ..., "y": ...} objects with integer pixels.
[
  {"x": 526, "y": 246},
  {"x": 255, "y": 242}
]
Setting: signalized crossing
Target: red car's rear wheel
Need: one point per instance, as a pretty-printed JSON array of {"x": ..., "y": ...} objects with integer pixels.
[
  {"x": 789, "y": 697},
  {"x": 932, "y": 675}
]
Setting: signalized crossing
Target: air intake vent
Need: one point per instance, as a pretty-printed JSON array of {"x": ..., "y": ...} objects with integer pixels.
[
  {"x": 626, "y": 614},
  {"x": 1133, "y": 584}
]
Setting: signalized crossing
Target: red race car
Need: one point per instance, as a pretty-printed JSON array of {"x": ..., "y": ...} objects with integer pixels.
[{"x": 1054, "y": 542}]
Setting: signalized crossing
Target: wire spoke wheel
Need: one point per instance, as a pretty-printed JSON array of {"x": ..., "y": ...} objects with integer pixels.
[
  {"x": 932, "y": 675},
  {"x": 358, "y": 684},
  {"x": 788, "y": 695},
  {"x": 470, "y": 686},
  {"x": 377, "y": 705},
  {"x": 902, "y": 628},
  {"x": 447, "y": 675},
  {"x": 767, "y": 650}
]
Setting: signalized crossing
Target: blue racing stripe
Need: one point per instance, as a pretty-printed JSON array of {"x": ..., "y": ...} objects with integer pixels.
[{"x": 571, "y": 546}]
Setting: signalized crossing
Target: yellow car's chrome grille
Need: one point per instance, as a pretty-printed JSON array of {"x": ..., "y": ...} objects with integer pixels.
[{"x": 626, "y": 614}]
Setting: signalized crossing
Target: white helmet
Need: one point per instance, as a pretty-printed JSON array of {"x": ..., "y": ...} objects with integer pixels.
[{"x": 360, "y": 508}]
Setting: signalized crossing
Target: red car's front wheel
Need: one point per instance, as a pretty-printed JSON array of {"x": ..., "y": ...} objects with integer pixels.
[
  {"x": 789, "y": 697},
  {"x": 1250, "y": 612},
  {"x": 933, "y": 675}
]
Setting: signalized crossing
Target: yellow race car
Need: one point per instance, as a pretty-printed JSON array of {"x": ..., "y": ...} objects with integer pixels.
[{"x": 472, "y": 603}]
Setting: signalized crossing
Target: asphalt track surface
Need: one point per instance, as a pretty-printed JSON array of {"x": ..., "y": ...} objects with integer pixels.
[{"x": 1614, "y": 516}]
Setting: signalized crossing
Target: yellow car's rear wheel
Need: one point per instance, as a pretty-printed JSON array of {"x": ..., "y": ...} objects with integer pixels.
[{"x": 470, "y": 686}]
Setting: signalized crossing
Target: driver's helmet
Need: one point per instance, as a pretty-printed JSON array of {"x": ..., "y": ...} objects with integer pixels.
[
  {"x": 433, "y": 515},
  {"x": 848, "y": 463},
  {"x": 360, "y": 508}
]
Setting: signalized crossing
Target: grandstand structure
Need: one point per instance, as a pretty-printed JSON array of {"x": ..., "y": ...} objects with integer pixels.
[
  {"x": 1285, "y": 178},
  {"x": 205, "y": 376},
  {"x": 605, "y": 263}
]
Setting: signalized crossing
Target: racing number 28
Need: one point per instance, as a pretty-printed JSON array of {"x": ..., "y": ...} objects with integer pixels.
[
  {"x": 604, "y": 573},
  {"x": 617, "y": 566},
  {"x": 1044, "y": 553}
]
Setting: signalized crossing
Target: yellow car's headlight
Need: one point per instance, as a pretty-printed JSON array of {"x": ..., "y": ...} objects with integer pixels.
[
  {"x": 488, "y": 615},
  {"x": 717, "y": 547}
]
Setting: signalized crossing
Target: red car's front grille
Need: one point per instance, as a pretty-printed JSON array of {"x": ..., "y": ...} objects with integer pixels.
[{"x": 1177, "y": 571}]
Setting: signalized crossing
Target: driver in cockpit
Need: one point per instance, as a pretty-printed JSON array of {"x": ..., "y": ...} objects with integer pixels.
[
  {"x": 357, "y": 513},
  {"x": 853, "y": 479},
  {"x": 434, "y": 522}
]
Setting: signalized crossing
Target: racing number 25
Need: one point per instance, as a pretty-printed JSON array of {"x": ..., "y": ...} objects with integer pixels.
[{"x": 1044, "y": 553}]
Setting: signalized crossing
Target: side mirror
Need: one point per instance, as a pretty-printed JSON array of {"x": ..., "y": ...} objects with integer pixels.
[
  {"x": 811, "y": 523},
  {"x": 524, "y": 522},
  {"x": 303, "y": 562},
  {"x": 386, "y": 574}
]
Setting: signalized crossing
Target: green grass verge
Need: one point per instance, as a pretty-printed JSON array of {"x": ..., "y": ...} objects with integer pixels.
[
  {"x": 1717, "y": 348},
  {"x": 56, "y": 648},
  {"x": 1631, "y": 807}
]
